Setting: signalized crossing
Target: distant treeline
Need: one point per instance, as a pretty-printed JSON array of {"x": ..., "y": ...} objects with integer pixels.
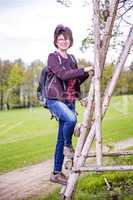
[{"x": 18, "y": 82}]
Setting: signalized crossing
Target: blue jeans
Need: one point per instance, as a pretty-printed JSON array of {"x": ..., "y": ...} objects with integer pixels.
[{"x": 65, "y": 112}]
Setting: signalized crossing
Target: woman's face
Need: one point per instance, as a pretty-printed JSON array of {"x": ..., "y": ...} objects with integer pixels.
[{"x": 62, "y": 42}]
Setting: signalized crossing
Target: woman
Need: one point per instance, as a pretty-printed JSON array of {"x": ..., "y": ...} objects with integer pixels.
[{"x": 63, "y": 88}]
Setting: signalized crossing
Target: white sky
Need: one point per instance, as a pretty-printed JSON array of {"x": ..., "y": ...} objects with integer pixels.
[{"x": 27, "y": 27}]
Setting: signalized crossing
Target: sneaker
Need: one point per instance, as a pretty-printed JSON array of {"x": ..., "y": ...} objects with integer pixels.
[
  {"x": 58, "y": 178},
  {"x": 64, "y": 175},
  {"x": 68, "y": 152}
]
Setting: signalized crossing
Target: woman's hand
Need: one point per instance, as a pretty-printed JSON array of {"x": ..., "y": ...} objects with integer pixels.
[{"x": 90, "y": 70}]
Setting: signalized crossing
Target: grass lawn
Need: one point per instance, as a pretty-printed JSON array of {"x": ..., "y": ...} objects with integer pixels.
[
  {"x": 28, "y": 136},
  {"x": 93, "y": 187}
]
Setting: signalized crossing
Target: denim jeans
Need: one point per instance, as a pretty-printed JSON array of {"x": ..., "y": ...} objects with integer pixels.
[{"x": 65, "y": 112}]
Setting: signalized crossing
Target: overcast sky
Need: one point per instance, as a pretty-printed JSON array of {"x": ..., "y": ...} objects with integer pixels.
[{"x": 27, "y": 26}]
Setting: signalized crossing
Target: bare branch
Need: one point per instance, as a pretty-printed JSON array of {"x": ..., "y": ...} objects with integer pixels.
[
  {"x": 64, "y": 2},
  {"x": 126, "y": 22},
  {"x": 123, "y": 3},
  {"x": 125, "y": 11}
]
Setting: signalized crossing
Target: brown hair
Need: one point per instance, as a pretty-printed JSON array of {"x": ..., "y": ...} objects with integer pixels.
[{"x": 65, "y": 31}]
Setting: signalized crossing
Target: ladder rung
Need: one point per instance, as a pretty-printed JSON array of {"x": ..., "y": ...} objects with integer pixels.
[
  {"x": 104, "y": 168},
  {"x": 113, "y": 153}
]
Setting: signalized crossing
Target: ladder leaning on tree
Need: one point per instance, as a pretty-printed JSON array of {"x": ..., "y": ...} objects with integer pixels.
[{"x": 90, "y": 128}]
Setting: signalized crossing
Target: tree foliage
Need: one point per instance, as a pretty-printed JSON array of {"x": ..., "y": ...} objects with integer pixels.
[{"x": 18, "y": 83}]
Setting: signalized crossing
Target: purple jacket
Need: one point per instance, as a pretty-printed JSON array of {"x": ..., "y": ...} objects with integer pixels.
[{"x": 58, "y": 75}]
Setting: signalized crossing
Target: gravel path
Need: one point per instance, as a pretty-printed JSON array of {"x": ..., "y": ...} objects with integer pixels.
[
  {"x": 34, "y": 180},
  {"x": 26, "y": 182},
  {"x": 123, "y": 144}
]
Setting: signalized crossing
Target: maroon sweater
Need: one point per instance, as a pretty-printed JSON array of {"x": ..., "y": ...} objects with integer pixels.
[{"x": 64, "y": 80}]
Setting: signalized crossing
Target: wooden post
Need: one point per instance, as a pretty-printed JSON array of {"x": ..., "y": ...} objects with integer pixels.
[
  {"x": 110, "y": 88},
  {"x": 111, "y": 154},
  {"x": 108, "y": 31},
  {"x": 105, "y": 168},
  {"x": 89, "y": 109},
  {"x": 88, "y": 112},
  {"x": 96, "y": 23},
  {"x": 85, "y": 124},
  {"x": 118, "y": 68}
]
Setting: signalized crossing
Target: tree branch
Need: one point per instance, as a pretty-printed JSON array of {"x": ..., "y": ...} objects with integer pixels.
[
  {"x": 125, "y": 11},
  {"x": 126, "y": 22}
]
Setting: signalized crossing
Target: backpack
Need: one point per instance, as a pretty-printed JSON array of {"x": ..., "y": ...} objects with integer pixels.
[
  {"x": 43, "y": 82},
  {"x": 41, "y": 87}
]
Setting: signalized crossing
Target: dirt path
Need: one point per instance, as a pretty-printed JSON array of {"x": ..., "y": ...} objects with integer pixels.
[
  {"x": 124, "y": 144},
  {"x": 34, "y": 180},
  {"x": 26, "y": 182}
]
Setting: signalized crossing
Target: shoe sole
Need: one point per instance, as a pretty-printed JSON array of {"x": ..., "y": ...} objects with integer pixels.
[{"x": 53, "y": 181}]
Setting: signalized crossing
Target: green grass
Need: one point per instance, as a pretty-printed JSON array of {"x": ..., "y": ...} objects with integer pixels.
[
  {"x": 93, "y": 187},
  {"x": 28, "y": 136},
  {"x": 117, "y": 124}
]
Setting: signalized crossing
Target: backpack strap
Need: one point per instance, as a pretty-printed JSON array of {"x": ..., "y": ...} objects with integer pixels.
[
  {"x": 73, "y": 59},
  {"x": 60, "y": 62},
  {"x": 59, "y": 58}
]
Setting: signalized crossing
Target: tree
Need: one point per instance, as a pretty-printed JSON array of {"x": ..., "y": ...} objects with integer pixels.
[
  {"x": 5, "y": 69},
  {"x": 31, "y": 82},
  {"x": 84, "y": 86},
  {"x": 122, "y": 84},
  {"x": 131, "y": 67},
  {"x": 124, "y": 17},
  {"x": 129, "y": 76},
  {"x": 92, "y": 127},
  {"x": 16, "y": 79}
]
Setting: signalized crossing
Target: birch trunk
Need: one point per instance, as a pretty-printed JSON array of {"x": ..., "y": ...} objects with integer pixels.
[
  {"x": 111, "y": 154},
  {"x": 110, "y": 88},
  {"x": 89, "y": 109},
  {"x": 107, "y": 168},
  {"x": 108, "y": 31},
  {"x": 119, "y": 66},
  {"x": 85, "y": 124},
  {"x": 96, "y": 17}
]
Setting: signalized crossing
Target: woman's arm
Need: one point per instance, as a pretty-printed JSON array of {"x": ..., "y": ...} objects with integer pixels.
[
  {"x": 62, "y": 73},
  {"x": 86, "y": 74}
]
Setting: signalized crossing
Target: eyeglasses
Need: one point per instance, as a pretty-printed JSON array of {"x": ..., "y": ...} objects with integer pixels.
[{"x": 63, "y": 39}]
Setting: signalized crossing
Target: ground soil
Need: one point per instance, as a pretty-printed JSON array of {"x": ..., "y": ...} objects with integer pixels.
[{"x": 33, "y": 181}]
